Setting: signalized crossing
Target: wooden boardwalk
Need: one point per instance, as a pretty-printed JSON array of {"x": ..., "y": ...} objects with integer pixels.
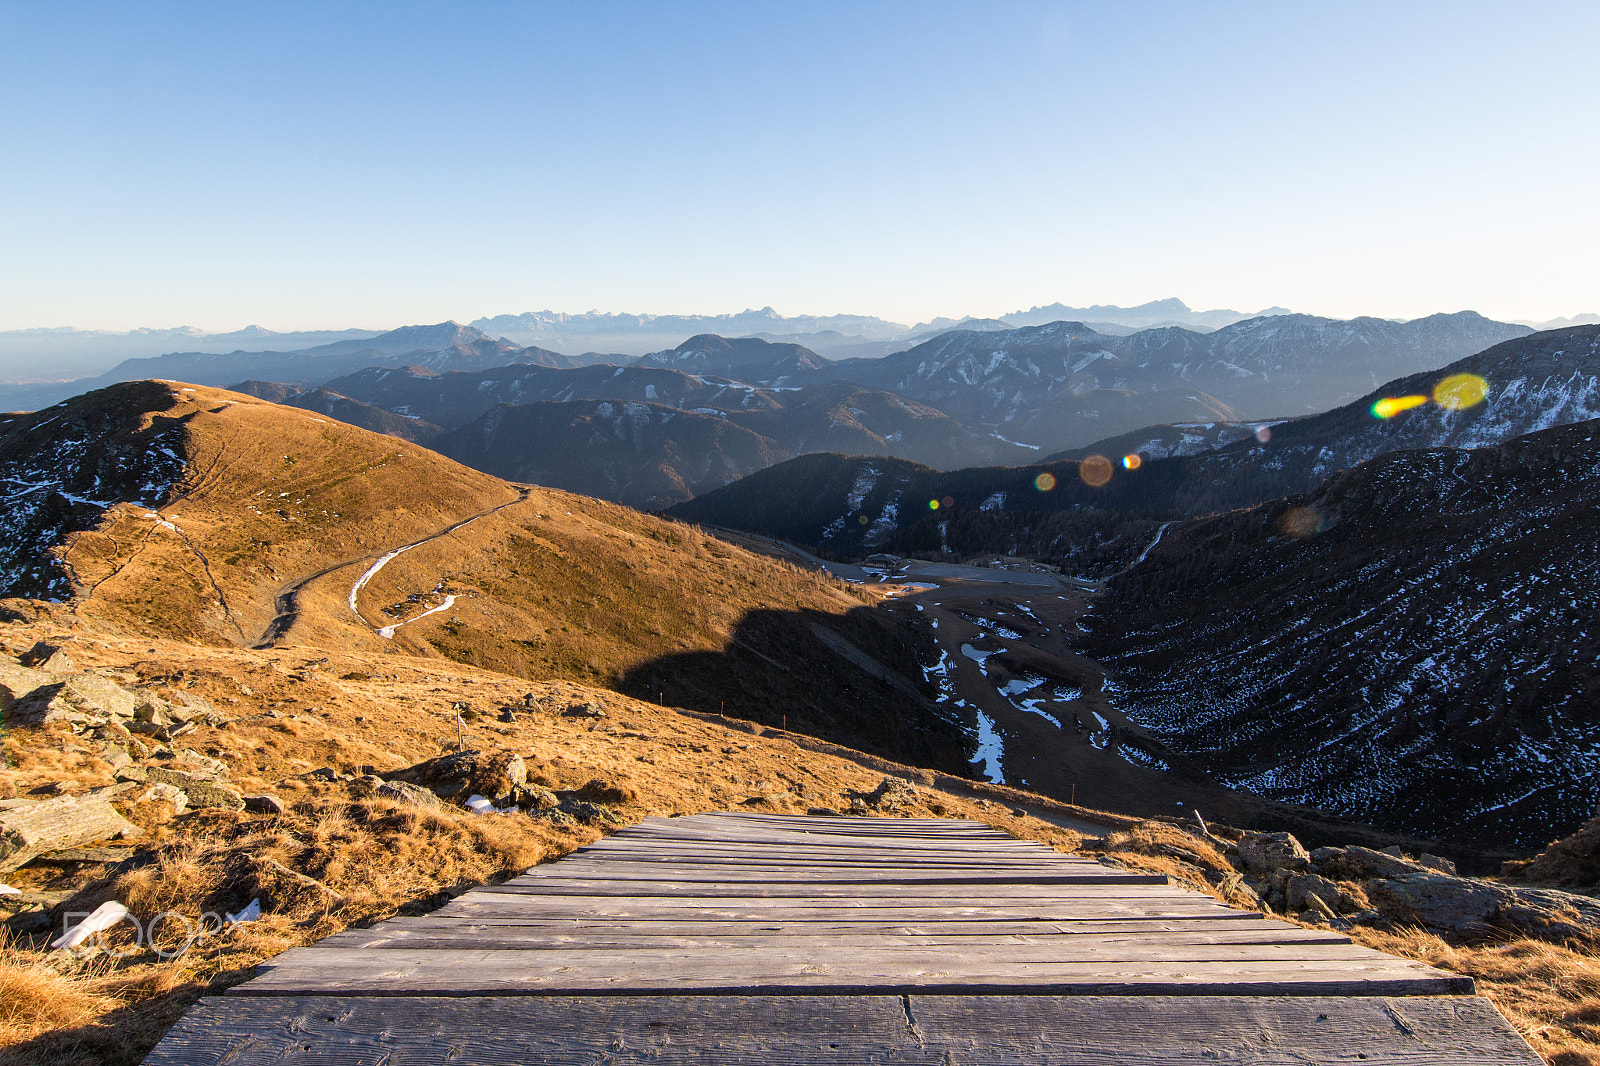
[{"x": 736, "y": 938}]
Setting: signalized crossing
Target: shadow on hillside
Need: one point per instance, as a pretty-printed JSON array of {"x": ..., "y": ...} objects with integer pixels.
[{"x": 853, "y": 679}]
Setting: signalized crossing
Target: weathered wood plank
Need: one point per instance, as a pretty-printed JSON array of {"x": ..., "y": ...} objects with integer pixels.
[
  {"x": 483, "y": 972},
  {"x": 1243, "y": 923},
  {"x": 919, "y": 1030},
  {"x": 622, "y": 907},
  {"x": 825, "y": 889},
  {"x": 531, "y": 940}
]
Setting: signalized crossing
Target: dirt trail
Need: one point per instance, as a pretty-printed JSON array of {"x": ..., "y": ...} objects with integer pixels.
[{"x": 287, "y": 600}]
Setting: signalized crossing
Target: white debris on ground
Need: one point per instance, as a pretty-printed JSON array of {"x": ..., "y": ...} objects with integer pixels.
[
  {"x": 99, "y": 920},
  {"x": 249, "y": 913}
]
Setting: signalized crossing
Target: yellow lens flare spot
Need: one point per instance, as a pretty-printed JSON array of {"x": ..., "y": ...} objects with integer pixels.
[
  {"x": 1045, "y": 481},
  {"x": 1300, "y": 522},
  {"x": 1095, "y": 471},
  {"x": 933, "y": 505},
  {"x": 1390, "y": 406},
  {"x": 863, "y": 520},
  {"x": 1132, "y": 462},
  {"x": 1460, "y": 391}
]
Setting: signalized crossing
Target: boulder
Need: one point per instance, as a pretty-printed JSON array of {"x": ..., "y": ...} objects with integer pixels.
[
  {"x": 1358, "y": 864},
  {"x": 1263, "y": 853},
  {"x": 529, "y": 797},
  {"x": 589, "y": 709},
  {"x": 1436, "y": 863},
  {"x": 166, "y": 794},
  {"x": 1300, "y": 889},
  {"x": 48, "y": 657},
  {"x": 597, "y": 814},
  {"x": 263, "y": 804},
  {"x": 892, "y": 794},
  {"x": 405, "y": 792},
  {"x": 202, "y": 788},
  {"x": 16, "y": 682},
  {"x": 32, "y": 827},
  {"x": 465, "y": 773}
]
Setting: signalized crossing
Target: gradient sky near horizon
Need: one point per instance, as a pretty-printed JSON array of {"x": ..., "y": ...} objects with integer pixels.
[{"x": 305, "y": 165}]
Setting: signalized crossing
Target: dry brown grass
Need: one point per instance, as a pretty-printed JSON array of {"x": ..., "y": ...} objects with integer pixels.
[
  {"x": 1161, "y": 847},
  {"x": 36, "y": 997}
]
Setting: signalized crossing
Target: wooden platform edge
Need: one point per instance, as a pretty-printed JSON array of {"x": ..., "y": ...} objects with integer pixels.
[{"x": 886, "y": 1029}]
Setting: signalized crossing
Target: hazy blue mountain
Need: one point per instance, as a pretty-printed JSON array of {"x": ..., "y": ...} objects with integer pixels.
[
  {"x": 41, "y": 355},
  {"x": 1168, "y": 312}
]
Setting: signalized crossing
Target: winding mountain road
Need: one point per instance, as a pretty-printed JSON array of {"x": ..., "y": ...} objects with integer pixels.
[{"x": 287, "y": 601}]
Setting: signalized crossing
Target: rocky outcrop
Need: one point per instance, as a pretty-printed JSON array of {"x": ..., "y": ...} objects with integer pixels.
[
  {"x": 467, "y": 773},
  {"x": 30, "y": 828},
  {"x": 1356, "y": 884}
]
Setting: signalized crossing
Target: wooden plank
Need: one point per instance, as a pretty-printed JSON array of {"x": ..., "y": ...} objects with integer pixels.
[
  {"x": 780, "y": 954},
  {"x": 899, "y": 891},
  {"x": 1210, "y": 925},
  {"x": 306, "y": 971},
  {"x": 542, "y": 940},
  {"x": 918, "y": 1030},
  {"x": 1101, "y": 910},
  {"x": 845, "y": 897}
]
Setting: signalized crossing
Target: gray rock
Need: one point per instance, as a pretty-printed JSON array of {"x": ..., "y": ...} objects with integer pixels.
[
  {"x": 590, "y": 813},
  {"x": 590, "y": 709},
  {"x": 1302, "y": 888},
  {"x": 1358, "y": 864},
  {"x": 554, "y": 816},
  {"x": 892, "y": 794},
  {"x": 17, "y": 682},
  {"x": 191, "y": 759},
  {"x": 109, "y": 696},
  {"x": 1264, "y": 852},
  {"x": 162, "y": 793},
  {"x": 264, "y": 804},
  {"x": 1437, "y": 863},
  {"x": 467, "y": 772},
  {"x": 80, "y": 700},
  {"x": 529, "y": 797},
  {"x": 202, "y": 788},
  {"x": 1437, "y": 901},
  {"x": 48, "y": 657},
  {"x": 405, "y": 792}
]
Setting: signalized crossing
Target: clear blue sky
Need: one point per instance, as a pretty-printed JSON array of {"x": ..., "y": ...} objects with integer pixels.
[{"x": 322, "y": 165}]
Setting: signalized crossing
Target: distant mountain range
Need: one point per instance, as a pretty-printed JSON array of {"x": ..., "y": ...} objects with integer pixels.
[
  {"x": 972, "y": 397},
  {"x": 36, "y": 356},
  {"x": 1412, "y": 644},
  {"x": 446, "y": 346},
  {"x": 848, "y": 505},
  {"x": 1052, "y": 385}
]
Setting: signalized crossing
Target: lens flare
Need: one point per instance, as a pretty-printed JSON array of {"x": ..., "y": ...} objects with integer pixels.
[
  {"x": 933, "y": 505},
  {"x": 1045, "y": 481},
  {"x": 1390, "y": 406},
  {"x": 948, "y": 501},
  {"x": 1095, "y": 471},
  {"x": 1263, "y": 433},
  {"x": 863, "y": 520},
  {"x": 1300, "y": 522},
  {"x": 1460, "y": 391},
  {"x": 1132, "y": 462}
]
